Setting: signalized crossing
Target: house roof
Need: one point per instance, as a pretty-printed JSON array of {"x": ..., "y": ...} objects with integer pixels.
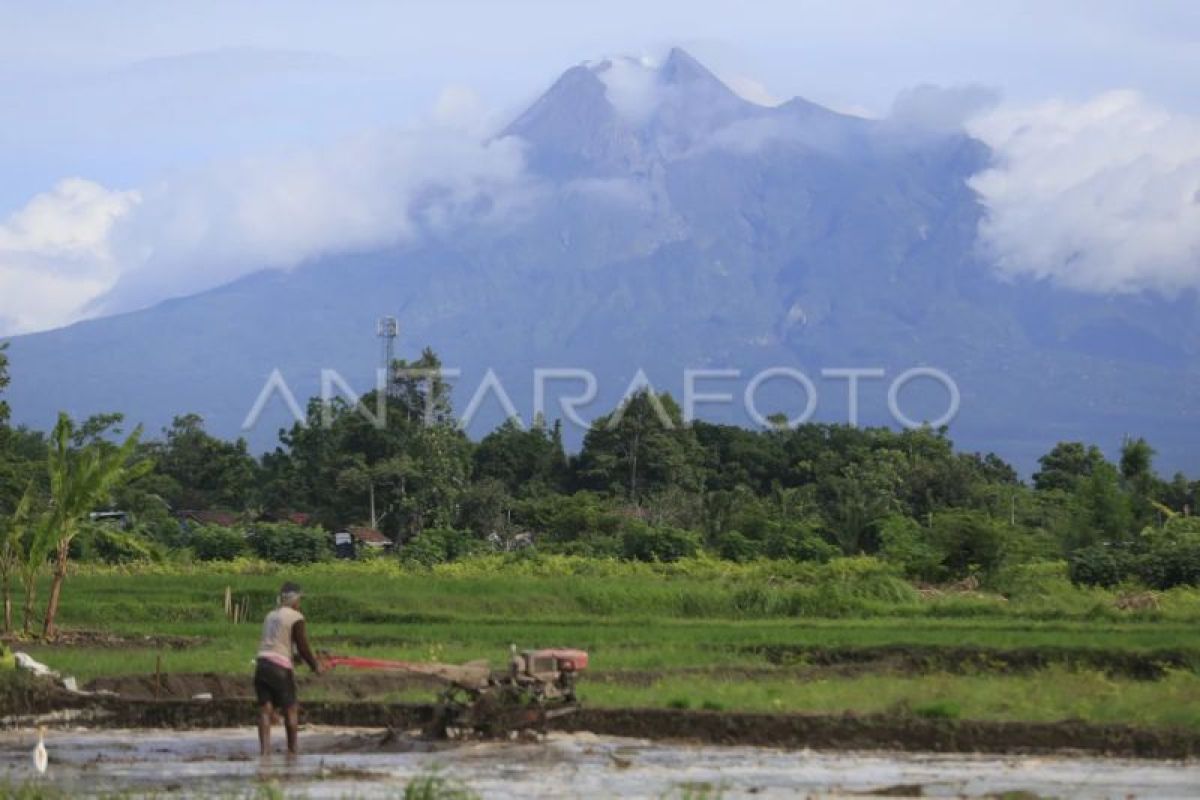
[{"x": 369, "y": 536}]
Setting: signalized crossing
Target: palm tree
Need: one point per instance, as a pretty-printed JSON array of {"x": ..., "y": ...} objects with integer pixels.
[{"x": 79, "y": 479}]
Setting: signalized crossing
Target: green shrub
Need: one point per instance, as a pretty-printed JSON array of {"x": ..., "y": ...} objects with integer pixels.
[
  {"x": 968, "y": 542},
  {"x": 907, "y": 545},
  {"x": 640, "y": 542},
  {"x": 285, "y": 543},
  {"x": 1170, "y": 565},
  {"x": 439, "y": 546},
  {"x": 1033, "y": 580},
  {"x": 799, "y": 543},
  {"x": 567, "y": 518},
  {"x": 733, "y": 546},
  {"x": 1100, "y": 565},
  {"x": 215, "y": 543},
  {"x": 596, "y": 546}
]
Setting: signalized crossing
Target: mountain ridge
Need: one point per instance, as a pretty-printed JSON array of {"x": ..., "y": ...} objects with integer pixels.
[{"x": 670, "y": 233}]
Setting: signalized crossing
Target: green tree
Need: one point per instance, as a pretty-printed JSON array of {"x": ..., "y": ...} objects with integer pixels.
[
  {"x": 1180, "y": 494},
  {"x": 1140, "y": 480},
  {"x": 641, "y": 447},
  {"x": 419, "y": 391},
  {"x": 407, "y": 469},
  {"x": 859, "y": 498},
  {"x": 1099, "y": 510},
  {"x": 484, "y": 507},
  {"x": 79, "y": 479},
  {"x": 207, "y": 472},
  {"x": 734, "y": 457},
  {"x": 1067, "y": 464},
  {"x": 525, "y": 461}
]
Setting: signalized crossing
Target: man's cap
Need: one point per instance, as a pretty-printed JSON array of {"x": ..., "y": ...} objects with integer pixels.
[{"x": 292, "y": 589}]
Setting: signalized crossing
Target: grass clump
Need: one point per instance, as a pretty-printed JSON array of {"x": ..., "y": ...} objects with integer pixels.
[{"x": 435, "y": 786}]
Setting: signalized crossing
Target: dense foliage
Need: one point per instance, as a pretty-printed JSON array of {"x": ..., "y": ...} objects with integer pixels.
[{"x": 644, "y": 487}]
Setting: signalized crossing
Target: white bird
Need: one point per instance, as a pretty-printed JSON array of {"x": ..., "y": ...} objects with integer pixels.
[{"x": 40, "y": 759}]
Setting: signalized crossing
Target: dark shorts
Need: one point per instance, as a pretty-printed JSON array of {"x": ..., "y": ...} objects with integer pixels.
[{"x": 274, "y": 684}]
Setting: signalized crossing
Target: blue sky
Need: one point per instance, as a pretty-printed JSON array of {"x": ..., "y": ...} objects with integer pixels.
[{"x": 121, "y": 94}]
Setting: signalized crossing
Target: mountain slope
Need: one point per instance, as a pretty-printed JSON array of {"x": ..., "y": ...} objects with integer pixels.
[{"x": 673, "y": 225}]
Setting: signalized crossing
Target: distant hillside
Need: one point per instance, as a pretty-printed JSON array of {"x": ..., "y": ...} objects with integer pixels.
[{"x": 696, "y": 230}]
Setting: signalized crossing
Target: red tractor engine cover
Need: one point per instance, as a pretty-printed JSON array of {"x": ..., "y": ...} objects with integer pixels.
[{"x": 568, "y": 660}]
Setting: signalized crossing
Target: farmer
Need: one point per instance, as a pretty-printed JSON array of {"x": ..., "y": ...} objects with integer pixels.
[{"x": 274, "y": 675}]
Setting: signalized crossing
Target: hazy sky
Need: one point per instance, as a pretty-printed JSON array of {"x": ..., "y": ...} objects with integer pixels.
[{"x": 121, "y": 99}]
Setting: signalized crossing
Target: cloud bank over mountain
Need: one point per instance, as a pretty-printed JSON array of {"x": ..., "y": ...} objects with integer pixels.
[
  {"x": 1100, "y": 196},
  {"x": 82, "y": 249},
  {"x": 56, "y": 253}
]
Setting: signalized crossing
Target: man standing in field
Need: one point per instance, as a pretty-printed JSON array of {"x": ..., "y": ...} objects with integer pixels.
[{"x": 283, "y": 635}]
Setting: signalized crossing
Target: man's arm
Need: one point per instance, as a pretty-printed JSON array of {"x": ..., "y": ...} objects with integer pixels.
[{"x": 300, "y": 639}]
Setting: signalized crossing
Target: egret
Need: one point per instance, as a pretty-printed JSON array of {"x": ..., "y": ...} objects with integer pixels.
[{"x": 40, "y": 759}]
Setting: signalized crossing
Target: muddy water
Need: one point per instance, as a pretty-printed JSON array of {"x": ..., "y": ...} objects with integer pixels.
[{"x": 342, "y": 762}]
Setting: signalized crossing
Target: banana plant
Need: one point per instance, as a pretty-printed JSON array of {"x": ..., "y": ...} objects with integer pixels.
[{"x": 79, "y": 480}]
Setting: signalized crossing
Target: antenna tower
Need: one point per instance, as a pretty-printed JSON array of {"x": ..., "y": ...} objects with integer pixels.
[{"x": 387, "y": 331}]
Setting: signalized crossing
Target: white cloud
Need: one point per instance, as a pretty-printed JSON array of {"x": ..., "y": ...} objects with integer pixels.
[
  {"x": 461, "y": 108},
  {"x": 201, "y": 229},
  {"x": 55, "y": 253},
  {"x": 1102, "y": 195},
  {"x": 631, "y": 85},
  {"x": 82, "y": 250}
]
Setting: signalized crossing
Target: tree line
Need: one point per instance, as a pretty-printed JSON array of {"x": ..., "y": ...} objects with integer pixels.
[{"x": 637, "y": 489}]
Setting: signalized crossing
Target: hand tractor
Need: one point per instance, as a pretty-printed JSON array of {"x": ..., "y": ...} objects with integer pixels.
[{"x": 538, "y": 686}]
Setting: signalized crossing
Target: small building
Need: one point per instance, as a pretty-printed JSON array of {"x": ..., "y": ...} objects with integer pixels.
[{"x": 370, "y": 538}]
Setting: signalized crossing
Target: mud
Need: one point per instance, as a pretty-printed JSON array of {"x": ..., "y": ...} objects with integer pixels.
[
  {"x": 918, "y": 659},
  {"x": 346, "y": 686},
  {"x": 368, "y": 685},
  {"x": 892, "y": 732},
  {"x": 23, "y": 694},
  {"x": 886, "y": 732}
]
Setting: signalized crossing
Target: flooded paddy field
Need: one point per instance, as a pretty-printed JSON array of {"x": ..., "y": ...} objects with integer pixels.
[{"x": 358, "y": 762}]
